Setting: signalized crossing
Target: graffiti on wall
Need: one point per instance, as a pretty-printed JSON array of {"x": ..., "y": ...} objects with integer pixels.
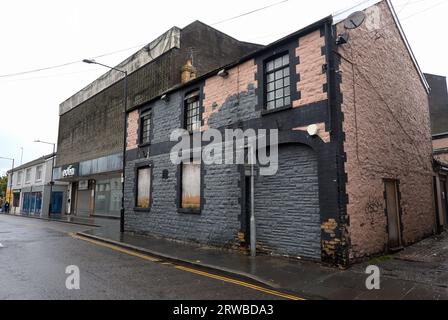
[{"x": 374, "y": 207}]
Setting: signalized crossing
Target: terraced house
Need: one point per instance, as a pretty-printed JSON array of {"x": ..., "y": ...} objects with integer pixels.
[{"x": 354, "y": 175}]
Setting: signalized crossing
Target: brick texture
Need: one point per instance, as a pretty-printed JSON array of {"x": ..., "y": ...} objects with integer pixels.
[
  {"x": 440, "y": 143},
  {"x": 442, "y": 157},
  {"x": 218, "y": 90},
  {"x": 132, "y": 130},
  {"x": 217, "y": 225},
  {"x": 95, "y": 127},
  {"x": 322, "y": 133},
  {"x": 287, "y": 205},
  {"x": 387, "y": 128},
  {"x": 312, "y": 79}
]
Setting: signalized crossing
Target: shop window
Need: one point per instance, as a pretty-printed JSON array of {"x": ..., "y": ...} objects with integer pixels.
[
  {"x": 191, "y": 186},
  {"x": 278, "y": 82},
  {"x": 38, "y": 173},
  {"x": 192, "y": 112},
  {"x": 143, "y": 196},
  {"x": 145, "y": 128}
]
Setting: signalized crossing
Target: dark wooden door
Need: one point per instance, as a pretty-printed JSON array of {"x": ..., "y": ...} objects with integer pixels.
[
  {"x": 393, "y": 214},
  {"x": 443, "y": 190}
]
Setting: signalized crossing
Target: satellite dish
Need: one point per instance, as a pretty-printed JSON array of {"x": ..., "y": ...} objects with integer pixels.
[{"x": 355, "y": 20}]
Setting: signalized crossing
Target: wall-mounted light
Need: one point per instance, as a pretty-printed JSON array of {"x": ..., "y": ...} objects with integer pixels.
[
  {"x": 312, "y": 130},
  {"x": 223, "y": 73},
  {"x": 165, "y": 98},
  {"x": 342, "y": 38}
]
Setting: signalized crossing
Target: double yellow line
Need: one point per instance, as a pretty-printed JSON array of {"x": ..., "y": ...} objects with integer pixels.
[
  {"x": 187, "y": 269},
  {"x": 116, "y": 248}
]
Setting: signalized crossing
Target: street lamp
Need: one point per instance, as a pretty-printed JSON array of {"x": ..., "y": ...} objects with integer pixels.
[
  {"x": 125, "y": 93},
  {"x": 52, "y": 167},
  {"x": 10, "y": 183}
]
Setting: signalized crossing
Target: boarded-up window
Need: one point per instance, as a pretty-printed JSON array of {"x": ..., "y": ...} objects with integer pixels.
[
  {"x": 143, "y": 187},
  {"x": 191, "y": 185}
]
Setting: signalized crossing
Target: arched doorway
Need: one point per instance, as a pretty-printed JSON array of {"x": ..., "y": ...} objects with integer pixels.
[{"x": 287, "y": 205}]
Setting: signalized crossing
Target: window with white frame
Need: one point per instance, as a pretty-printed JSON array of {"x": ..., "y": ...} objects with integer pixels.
[
  {"x": 38, "y": 173},
  {"x": 192, "y": 112},
  {"x": 19, "y": 178},
  {"x": 278, "y": 83},
  {"x": 28, "y": 175}
]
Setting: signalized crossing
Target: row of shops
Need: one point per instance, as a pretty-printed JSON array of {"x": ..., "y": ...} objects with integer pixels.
[
  {"x": 88, "y": 188},
  {"x": 31, "y": 192},
  {"x": 94, "y": 187}
]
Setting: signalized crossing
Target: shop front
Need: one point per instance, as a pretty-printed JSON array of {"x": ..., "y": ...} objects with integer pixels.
[
  {"x": 15, "y": 201},
  {"x": 95, "y": 188},
  {"x": 32, "y": 203}
]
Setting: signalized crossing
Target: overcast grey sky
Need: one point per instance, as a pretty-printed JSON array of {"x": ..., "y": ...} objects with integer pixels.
[{"x": 43, "y": 33}]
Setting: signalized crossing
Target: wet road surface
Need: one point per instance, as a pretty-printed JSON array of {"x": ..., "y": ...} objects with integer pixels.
[{"x": 34, "y": 255}]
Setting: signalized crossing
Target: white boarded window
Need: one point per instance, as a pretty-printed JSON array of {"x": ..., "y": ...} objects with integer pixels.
[
  {"x": 143, "y": 188},
  {"x": 191, "y": 185}
]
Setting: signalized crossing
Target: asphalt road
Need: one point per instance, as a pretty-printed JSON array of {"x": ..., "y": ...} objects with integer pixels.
[{"x": 34, "y": 255}]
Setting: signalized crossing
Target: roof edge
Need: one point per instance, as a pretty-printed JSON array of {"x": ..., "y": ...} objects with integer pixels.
[
  {"x": 165, "y": 42},
  {"x": 33, "y": 162},
  {"x": 302, "y": 31},
  {"x": 341, "y": 15}
]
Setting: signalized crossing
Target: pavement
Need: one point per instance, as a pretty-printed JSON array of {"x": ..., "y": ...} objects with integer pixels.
[
  {"x": 419, "y": 272},
  {"x": 112, "y": 222}
]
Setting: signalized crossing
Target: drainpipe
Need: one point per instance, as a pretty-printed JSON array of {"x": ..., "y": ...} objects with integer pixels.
[
  {"x": 253, "y": 236},
  {"x": 125, "y": 93}
]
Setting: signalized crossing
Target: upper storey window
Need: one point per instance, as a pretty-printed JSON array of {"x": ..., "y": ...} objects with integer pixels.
[
  {"x": 278, "y": 82},
  {"x": 145, "y": 128},
  {"x": 192, "y": 112}
]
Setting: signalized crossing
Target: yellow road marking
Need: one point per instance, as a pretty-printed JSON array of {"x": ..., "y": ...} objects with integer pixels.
[
  {"x": 198, "y": 272},
  {"x": 240, "y": 283},
  {"x": 117, "y": 248}
]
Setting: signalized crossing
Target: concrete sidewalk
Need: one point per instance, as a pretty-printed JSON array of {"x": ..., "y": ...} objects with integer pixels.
[
  {"x": 113, "y": 224},
  {"x": 306, "y": 279}
]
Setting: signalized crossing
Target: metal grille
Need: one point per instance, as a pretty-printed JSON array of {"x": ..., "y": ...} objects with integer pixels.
[{"x": 278, "y": 83}]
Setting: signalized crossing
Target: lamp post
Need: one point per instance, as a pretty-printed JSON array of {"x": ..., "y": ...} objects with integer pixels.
[
  {"x": 125, "y": 94},
  {"x": 52, "y": 168},
  {"x": 10, "y": 182}
]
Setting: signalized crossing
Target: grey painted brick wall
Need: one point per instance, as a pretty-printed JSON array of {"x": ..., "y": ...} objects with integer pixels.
[
  {"x": 236, "y": 108},
  {"x": 218, "y": 223},
  {"x": 166, "y": 118},
  {"x": 287, "y": 205}
]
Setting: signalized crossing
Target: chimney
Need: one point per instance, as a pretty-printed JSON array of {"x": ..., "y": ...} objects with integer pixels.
[{"x": 188, "y": 71}]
